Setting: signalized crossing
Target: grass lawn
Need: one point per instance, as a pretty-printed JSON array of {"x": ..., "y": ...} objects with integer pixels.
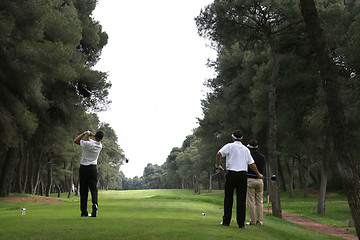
[{"x": 145, "y": 214}]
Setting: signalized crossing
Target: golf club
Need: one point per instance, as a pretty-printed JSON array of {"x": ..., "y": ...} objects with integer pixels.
[
  {"x": 218, "y": 170},
  {"x": 273, "y": 177},
  {"x": 115, "y": 150}
]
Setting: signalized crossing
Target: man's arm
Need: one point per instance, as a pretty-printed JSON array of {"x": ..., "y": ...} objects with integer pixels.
[
  {"x": 218, "y": 158},
  {"x": 78, "y": 138},
  {"x": 254, "y": 168},
  {"x": 87, "y": 137}
]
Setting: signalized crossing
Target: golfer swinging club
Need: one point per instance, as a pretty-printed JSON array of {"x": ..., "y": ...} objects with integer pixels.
[
  {"x": 237, "y": 160},
  {"x": 88, "y": 171}
]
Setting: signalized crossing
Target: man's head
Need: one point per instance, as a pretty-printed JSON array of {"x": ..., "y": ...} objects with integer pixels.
[
  {"x": 253, "y": 145},
  {"x": 99, "y": 135},
  {"x": 237, "y": 135}
]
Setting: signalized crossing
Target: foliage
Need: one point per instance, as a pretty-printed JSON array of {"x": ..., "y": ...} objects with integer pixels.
[{"x": 47, "y": 89}]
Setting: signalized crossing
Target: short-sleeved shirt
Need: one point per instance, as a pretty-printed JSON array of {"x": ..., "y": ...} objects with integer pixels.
[
  {"x": 91, "y": 151},
  {"x": 237, "y": 156}
]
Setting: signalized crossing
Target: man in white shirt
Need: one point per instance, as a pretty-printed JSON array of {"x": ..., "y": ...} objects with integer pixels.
[
  {"x": 88, "y": 171},
  {"x": 238, "y": 159}
]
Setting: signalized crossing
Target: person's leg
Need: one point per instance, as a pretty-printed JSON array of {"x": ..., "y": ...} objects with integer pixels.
[
  {"x": 250, "y": 200},
  {"x": 84, "y": 190},
  {"x": 93, "y": 189},
  {"x": 229, "y": 198},
  {"x": 241, "y": 188},
  {"x": 259, "y": 201}
]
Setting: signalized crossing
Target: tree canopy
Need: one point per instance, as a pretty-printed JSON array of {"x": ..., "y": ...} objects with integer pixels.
[{"x": 47, "y": 90}]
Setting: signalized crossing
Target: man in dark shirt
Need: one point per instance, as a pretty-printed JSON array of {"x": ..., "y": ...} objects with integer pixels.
[{"x": 255, "y": 186}]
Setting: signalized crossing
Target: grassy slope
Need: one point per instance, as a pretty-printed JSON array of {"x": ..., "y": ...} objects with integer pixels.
[{"x": 147, "y": 214}]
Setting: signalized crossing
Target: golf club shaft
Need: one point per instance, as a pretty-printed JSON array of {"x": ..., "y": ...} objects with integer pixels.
[
  {"x": 273, "y": 177},
  {"x": 249, "y": 174}
]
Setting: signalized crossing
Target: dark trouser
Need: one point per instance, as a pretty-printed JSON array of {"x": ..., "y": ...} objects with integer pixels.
[
  {"x": 238, "y": 181},
  {"x": 88, "y": 180}
]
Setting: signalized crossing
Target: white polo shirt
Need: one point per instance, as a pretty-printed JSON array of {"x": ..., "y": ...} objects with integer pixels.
[
  {"x": 91, "y": 151},
  {"x": 238, "y": 156}
]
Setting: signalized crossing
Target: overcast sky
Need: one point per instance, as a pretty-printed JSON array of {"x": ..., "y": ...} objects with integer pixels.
[{"x": 156, "y": 63}]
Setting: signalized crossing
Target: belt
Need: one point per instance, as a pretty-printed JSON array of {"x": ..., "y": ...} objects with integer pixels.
[{"x": 91, "y": 165}]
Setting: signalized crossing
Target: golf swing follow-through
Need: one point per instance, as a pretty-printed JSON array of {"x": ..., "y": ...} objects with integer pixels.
[{"x": 88, "y": 171}]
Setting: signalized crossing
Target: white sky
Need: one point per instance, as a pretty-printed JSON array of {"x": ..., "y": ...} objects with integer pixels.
[{"x": 156, "y": 62}]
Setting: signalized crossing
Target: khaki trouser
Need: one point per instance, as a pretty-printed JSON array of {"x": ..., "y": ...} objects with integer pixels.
[{"x": 254, "y": 199}]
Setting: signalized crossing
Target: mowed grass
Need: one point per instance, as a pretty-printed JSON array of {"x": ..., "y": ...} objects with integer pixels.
[{"x": 143, "y": 214}]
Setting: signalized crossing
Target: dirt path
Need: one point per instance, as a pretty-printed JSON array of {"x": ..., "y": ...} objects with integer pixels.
[{"x": 319, "y": 227}]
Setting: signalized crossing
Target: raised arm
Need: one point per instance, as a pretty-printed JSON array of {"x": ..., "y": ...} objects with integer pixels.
[{"x": 87, "y": 135}]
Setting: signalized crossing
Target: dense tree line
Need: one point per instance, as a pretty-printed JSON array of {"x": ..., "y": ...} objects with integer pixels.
[
  {"x": 48, "y": 91},
  {"x": 290, "y": 83},
  {"x": 182, "y": 169},
  {"x": 265, "y": 63}
]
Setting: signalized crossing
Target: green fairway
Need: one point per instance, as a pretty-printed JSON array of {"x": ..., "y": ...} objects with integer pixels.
[{"x": 145, "y": 214}]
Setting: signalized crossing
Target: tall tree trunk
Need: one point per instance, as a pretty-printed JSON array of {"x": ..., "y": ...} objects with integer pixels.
[
  {"x": 210, "y": 183},
  {"x": 77, "y": 188},
  {"x": 65, "y": 180},
  {"x": 291, "y": 174},
  {"x": 274, "y": 185},
  {"x": 71, "y": 180},
  {"x": 267, "y": 169},
  {"x": 37, "y": 180},
  {"x": 42, "y": 185},
  {"x": 300, "y": 171},
  {"x": 324, "y": 170},
  {"x": 20, "y": 167},
  {"x": 307, "y": 177},
  {"x": 35, "y": 171},
  {"x": 281, "y": 176},
  {"x": 197, "y": 183},
  {"x": 7, "y": 171},
  {"x": 338, "y": 122},
  {"x": 50, "y": 179},
  {"x": 26, "y": 172}
]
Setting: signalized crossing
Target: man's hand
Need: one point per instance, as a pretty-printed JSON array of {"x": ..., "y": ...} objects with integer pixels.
[
  {"x": 88, "y": 134},
  {"x": 254, "y": 168}
]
